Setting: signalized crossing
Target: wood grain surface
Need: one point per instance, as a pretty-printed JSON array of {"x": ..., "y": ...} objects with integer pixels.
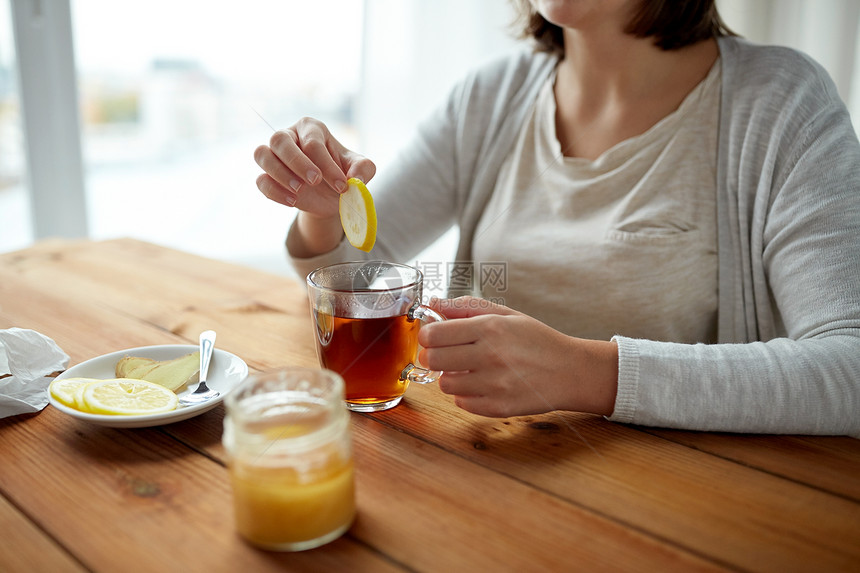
[{"x": 438, "y": 489}]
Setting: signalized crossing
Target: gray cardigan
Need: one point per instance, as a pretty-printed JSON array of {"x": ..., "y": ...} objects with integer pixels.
[{"x": 788, "y": 184}]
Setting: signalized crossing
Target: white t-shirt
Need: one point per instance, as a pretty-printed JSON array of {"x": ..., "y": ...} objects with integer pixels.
[{"x": 627, "y": 243}]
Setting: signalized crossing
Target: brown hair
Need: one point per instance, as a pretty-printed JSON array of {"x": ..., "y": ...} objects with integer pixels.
[{"x": 672, "y": 23}]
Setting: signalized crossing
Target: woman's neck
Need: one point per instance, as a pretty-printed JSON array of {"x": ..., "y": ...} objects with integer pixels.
[{"x": 612, "y": 86}]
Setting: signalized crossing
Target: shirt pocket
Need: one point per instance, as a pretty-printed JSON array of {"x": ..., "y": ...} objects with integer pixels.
[{"x": 652, "y": 231}]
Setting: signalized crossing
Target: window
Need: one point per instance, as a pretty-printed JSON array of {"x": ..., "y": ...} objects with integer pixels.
[
  {"x": 175, "y": 95},
  {"x": 15, "y": 228},
  {"x": 174, "y": 98}
]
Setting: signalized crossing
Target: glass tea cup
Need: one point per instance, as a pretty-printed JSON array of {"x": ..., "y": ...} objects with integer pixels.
[
  {"x": 289, "y": 451},
  {"x": 366, "y": 317}
]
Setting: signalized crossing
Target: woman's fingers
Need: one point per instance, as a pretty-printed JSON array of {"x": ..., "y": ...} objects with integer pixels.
[
  {"x": 275, "y": 191},
  {"x": 286, "y": 147},
  {"x": 467, "y": 396},
  {"x": 305, "y": 167},
  {"x": 457, "y": 384},
  {"x": 276, "y": 170},
  {"x": 321, "y": 154},
  {"x": 486, "y": 406},
  {"x": 300, "y": 156},
  {"x": 359, "y": 166},
  {"x": 448, "y": 333},
  {"x": 306, "y": 156},
  {"x": 461, "y": 357},
  {"x": 468, "y": 306}
]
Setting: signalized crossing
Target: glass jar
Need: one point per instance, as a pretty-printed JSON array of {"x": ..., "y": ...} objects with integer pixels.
[{"x": 289, "y": 450}]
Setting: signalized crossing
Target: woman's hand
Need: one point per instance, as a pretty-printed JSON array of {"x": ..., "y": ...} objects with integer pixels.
[
  {"x": 307, "y": 168},
  {"x": 498, "y": 362}
]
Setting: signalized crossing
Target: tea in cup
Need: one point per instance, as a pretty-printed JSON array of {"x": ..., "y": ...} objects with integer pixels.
[{"x": 366, "y": 320}]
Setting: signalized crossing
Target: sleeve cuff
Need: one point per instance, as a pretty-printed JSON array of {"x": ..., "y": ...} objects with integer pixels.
[{"x": 628, "y": 380}]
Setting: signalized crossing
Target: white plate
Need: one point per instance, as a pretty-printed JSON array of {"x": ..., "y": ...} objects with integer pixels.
[{"x": 226, "y": 371}]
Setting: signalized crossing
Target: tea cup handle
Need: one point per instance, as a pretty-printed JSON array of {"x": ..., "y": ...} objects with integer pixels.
[{"x": 414, "y": 373}]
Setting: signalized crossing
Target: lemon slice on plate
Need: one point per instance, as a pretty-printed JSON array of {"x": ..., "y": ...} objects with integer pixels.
[
  {"x": 124, "y": 396},
  {"x": 69, "y": 391},
  {"x": 358, "y": 215}
]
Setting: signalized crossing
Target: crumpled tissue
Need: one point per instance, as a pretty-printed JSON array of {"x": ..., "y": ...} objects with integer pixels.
[{"x": 29, "y": 357}]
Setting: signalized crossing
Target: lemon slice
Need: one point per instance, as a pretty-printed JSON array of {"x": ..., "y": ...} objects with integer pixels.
[
  {"x": 124, "y": 396},
  {"x": 358, "y": 215},
  {"x": 69, "y": 391}
]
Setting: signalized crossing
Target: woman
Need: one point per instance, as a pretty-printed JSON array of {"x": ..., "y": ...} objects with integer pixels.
[{"x": 678, "y": 210}]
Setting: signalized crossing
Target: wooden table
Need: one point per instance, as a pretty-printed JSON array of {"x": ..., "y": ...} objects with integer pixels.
[{"x": 438, "y": 489}]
